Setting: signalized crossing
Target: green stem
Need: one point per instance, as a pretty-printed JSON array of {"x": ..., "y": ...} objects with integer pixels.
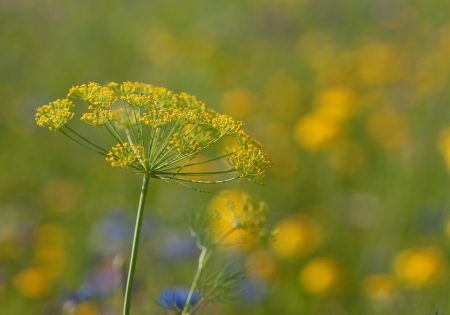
[
  {"x": 201, "y": 263},
  {"x": 134, "y": 249}
]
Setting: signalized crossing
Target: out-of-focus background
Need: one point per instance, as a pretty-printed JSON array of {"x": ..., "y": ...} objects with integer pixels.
[{"x": 350, "y": 98}]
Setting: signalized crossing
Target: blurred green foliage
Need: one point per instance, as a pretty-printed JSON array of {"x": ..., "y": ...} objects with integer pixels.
[{"x": 350, "y": 99}]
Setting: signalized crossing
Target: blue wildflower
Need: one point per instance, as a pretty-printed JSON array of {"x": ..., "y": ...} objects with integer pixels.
[
  {"x": 176, "y": 298},
  {"x": 254, "y": 290}
]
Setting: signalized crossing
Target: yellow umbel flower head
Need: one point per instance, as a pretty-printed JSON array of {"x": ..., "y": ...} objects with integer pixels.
[
  {"x": 160, "y": 133},
  {"x": 236, "y": 218},
  {"x": 54, "y": 115}
]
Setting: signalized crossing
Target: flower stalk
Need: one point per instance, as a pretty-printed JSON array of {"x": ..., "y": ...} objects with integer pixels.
[{"x": 135, "y": 246}]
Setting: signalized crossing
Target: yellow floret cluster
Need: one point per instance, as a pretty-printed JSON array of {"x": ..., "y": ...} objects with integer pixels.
[
  {"x": 156, "y": 129},
  {"x": 98, "y": 117},
  {"x": 54, "y": 115},
  {"x": 125, "y": 155}
]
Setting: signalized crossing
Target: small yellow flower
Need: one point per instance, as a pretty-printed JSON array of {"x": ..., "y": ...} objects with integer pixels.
[
  {"x": 314, "y": 131},
  {"x": 322, "y": 276},
  {"x": 139, "y": 100},
  {"x": 379, "y": 286},
  {"x": 237, "y": 219},
  {"x": 33, "y": 282},
  {"x": 420, "y": 266},
  {"x": 52, "y": 260},
  {"x": 298, "y": 235},
  {"x": 249, "y": 159},
  {"x": 55, "y": 115},
  {"x": 157, "y": 118},
  {"x": 98, "y": 117},
  {"x": 84, "y": 91},
  {"x": 191, "y": 101},
  {"x": 129, "y": 88},
  {"x": 101, "y": 99},
  {"x": 126, "y": 155},
  {"x": 86, "y": 308},
  {"x": 379, "y": 63},
  {"x": 336, "y": 104},
  {"x": 50, "y": 250}
]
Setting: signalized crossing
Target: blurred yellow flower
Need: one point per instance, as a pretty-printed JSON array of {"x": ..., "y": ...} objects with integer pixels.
[
  {"x": 298, "y": 235},
  {"x": 50, "y": 249},
  {"x": 388, "y": 128},
  {"x": 33, "y": 282},
  {"x": 51, "y": 236},
  {"x": 234, "y": 210},
  {"x": 239, "y": 103},
  {"x": 379, "y": 63},
  {"x": 53, "y": 260},
  {"x": 86, "y": 308},
  {"x": 420, "y": 266},
  {"x": 444, "y": 145},
  {"x": 336, "y": 104},
  {"x": 315, "y": 131},
  {"x": 322, "y": 275},
  {"x": 379, "y": 286}
]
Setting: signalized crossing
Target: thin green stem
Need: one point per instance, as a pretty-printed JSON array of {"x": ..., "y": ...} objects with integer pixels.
[
  {"x": 197, "y": 163},
  {"x": 83, "y": 138},
  {"x": 203, "y": 259},
  {"x": 134, "y": 249},
  {"x": 196, "y": 173},
  {"x": 112, "y": 130},
  {"x": 196, "y": 181},
  {"x": 73, "y": 139}
]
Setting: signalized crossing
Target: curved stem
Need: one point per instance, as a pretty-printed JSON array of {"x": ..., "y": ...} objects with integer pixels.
[
  {"x": 203, "y": 259},
  {"x": 134, "y": 249}
]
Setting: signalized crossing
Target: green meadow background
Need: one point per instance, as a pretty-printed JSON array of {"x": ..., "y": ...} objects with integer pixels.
[{"x": 350, "y": 99}]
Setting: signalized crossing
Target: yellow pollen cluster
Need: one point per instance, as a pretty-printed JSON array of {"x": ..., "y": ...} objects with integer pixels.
[
  {"x": 84, "y": 91},
  {"x": 98, "y": 117},
  {"x": 127, "y": 88},
  {"x": 126, "y": 155},
  {"x": 250, "y": 161},
  {"x": 192, "y": 116},
  {"x": 191, "y": 101},
  {"x": 225, "y": 125},
  {"x": 138, "y": 100},
  {"x": 54, "y": 115},
  {"x": 102, "y": 99},
  {"x": 165, "y": 98},
  {"x": 157, "y": 118},
  {"x": 184, "y": 143}
]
